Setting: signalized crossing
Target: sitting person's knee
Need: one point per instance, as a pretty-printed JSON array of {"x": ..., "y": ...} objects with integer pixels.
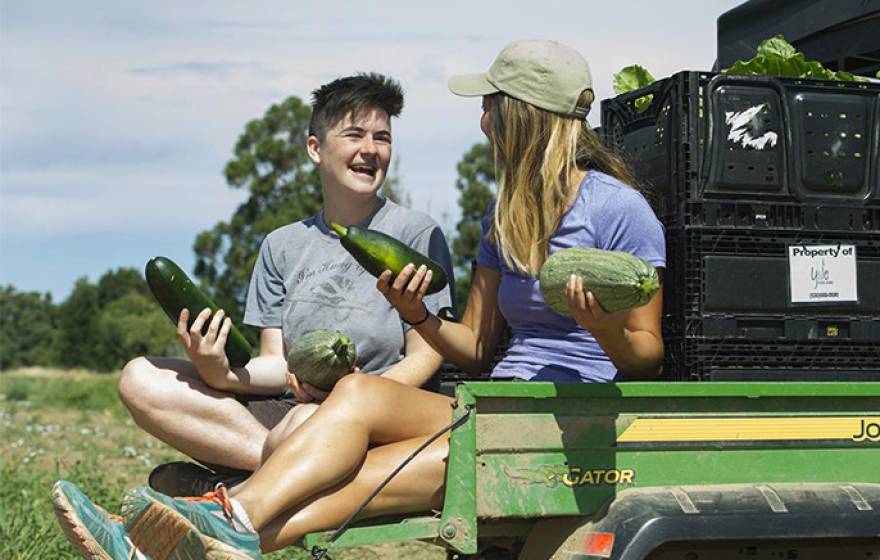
[
  {"x": 291, "y": 421},
  {"x": 273, "y": 440},
  {"x": 354, "y": 385},
  {"x": 299, "y": 415},
  {"x": 134, "y": 380},
  {"x": 148, "y": 383}
]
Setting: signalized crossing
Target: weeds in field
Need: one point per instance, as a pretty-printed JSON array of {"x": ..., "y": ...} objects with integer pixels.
[
  {"x": 27, "y": 525},
  {"x": 94, "y": 393},
  {"x": 73, "y": 427}
]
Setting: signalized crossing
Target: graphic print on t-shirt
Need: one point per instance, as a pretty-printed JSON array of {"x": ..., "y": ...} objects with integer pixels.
[
  {"x": 327, "y": 294},
  {"x": 331, "y": 295}
]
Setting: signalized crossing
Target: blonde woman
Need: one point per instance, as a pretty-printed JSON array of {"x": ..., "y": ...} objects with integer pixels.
[{"x": 557, "y": 187}]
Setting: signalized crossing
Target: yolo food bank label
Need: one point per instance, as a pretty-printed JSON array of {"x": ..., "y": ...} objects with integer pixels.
[{"x": 822, "y": 273}]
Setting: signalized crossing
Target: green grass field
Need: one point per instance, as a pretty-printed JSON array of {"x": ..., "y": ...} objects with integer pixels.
[{"x": 70, "y": 425}]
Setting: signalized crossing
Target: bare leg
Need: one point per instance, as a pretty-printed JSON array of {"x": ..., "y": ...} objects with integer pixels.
[
  {"x": 168, "y": 399},
  {"x": 333, "y": 442},
  {"x": 418, "y": 487},
  {"x": 292, "y": 420}
]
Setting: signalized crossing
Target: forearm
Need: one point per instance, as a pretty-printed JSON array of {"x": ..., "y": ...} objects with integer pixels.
[
  {"x": 469, "y": 344},
  {"x": 458, "y": 343},
  {"x": 262, "y": 375},
  {"x": 637, "y": 354},
  {"x": 416, "y": 368}
]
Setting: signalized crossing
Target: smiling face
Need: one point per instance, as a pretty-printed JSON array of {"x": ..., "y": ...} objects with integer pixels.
[{"x": 354, "y": 154}]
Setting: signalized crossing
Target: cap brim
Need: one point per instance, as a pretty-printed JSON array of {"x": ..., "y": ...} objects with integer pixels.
[{"x": 471, "y": 85}]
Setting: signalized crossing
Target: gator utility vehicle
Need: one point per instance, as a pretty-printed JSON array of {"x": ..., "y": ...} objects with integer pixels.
[{"x": 655, "y": 470}]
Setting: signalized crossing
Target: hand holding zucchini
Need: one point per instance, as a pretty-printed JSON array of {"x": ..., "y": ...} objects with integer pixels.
[
  {"x": 320, "y": 358},
  {"x": 174, "y": 291},
  {"x": 618, "y": 280},
  {"x": 378, "y": 252}
]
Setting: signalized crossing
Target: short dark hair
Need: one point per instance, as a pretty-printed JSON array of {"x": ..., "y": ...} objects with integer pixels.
[{"x": 352, "y": 94}]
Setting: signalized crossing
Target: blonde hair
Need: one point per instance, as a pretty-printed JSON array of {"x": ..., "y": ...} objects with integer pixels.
[{"x": 537, "y": 154}]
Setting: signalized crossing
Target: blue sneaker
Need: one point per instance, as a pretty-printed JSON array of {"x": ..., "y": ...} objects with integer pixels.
[
  {"x": 96, "y": 534},
  {"x": 185, "y": 528}
]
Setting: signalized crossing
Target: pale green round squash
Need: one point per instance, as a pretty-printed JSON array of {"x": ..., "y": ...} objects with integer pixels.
[
  {"x": 321, "y": 357},
  {"x": 618, "y": 280}
]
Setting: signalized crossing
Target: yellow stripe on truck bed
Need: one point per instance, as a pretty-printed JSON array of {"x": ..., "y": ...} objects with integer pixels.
[{"x": 855, "y": 428}]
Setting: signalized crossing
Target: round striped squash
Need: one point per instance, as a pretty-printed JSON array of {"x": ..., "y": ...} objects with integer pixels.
[{"x": 618, "y": 280}]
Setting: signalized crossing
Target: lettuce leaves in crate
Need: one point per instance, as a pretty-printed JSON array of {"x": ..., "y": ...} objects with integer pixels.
[
  {"x": 777, "y": 57},
  {"x": 774, "y": 57},
  {"x": 632, "y": 78}
]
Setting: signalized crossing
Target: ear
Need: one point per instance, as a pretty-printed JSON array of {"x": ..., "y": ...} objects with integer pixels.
[{"x": 313, "y": 147}]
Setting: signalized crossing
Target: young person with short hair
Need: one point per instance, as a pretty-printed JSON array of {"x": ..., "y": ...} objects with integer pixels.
[{"x": 232, "y": 418}]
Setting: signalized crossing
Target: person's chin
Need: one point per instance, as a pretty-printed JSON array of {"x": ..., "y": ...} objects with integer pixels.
[{"x": 363, "y": 188}]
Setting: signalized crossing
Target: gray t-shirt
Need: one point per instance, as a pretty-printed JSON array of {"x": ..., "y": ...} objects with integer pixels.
[{"x": 304, "y": 280}]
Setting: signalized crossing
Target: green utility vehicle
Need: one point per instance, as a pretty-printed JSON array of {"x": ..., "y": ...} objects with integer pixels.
[{"x": 655, "y": 470}]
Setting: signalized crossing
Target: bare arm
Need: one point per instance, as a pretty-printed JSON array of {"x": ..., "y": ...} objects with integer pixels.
[
  {"x": 419, "y": 364},
  {"x": 470, "y": 344},
  {"x": 631, "y": 339},
  {"x": 265, "y": 374}
]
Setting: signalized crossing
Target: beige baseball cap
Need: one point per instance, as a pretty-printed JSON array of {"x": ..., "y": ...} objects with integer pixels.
[{"x": 546, "y": 74}]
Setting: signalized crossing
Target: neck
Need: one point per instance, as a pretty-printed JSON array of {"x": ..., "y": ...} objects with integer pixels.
[{"x": 347, "y": 209}]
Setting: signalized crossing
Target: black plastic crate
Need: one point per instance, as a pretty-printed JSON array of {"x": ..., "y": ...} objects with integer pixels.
[
  {"x": 770, "y": 328},
  {"x": 733, "y": 360},
  {"x": 710, "y": 136},
  {"x": 728, "y": 314},
  {"x": 764, "y": 215},
  {"x": 449, "y": 374},
  {"x": 727, "y": 272}
]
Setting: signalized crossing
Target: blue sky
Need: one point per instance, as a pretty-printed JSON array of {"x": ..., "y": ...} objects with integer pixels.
[{"x": 116, "y": 118}]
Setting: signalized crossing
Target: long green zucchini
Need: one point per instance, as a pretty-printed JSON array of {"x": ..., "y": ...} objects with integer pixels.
[
  {"x": 173, "y": 289},
  {"x": 378, "y": 252}
]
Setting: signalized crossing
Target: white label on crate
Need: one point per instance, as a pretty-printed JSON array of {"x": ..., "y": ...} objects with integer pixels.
[
  {"x": 822, "y": 273},
  {"x": 744, "y": 123}
]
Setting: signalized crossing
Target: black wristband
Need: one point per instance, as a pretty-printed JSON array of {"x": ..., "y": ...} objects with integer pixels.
[{"x": 425, "y": 318}]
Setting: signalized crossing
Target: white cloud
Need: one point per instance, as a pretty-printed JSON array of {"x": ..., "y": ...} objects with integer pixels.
[{"x": 111, "y": 200}]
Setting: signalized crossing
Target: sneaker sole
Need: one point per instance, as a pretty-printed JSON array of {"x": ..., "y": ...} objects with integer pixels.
[
  {"x": 74, "y": 529},
  {"x": 163, "y": 534}
]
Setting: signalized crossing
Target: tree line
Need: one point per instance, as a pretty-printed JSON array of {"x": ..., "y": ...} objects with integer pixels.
[{"x": 102, "y": 325}]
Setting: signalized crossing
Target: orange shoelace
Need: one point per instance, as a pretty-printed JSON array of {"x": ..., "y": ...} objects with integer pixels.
[{"x": 219, "y": 496}]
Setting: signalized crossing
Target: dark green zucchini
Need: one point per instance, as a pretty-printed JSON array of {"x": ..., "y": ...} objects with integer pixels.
[
  {"x": 378, "y": 252},
  {"x": 174, "y": 290}
]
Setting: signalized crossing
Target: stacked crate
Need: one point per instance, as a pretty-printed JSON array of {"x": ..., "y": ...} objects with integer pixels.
[{"x": 769, "y": 189}]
